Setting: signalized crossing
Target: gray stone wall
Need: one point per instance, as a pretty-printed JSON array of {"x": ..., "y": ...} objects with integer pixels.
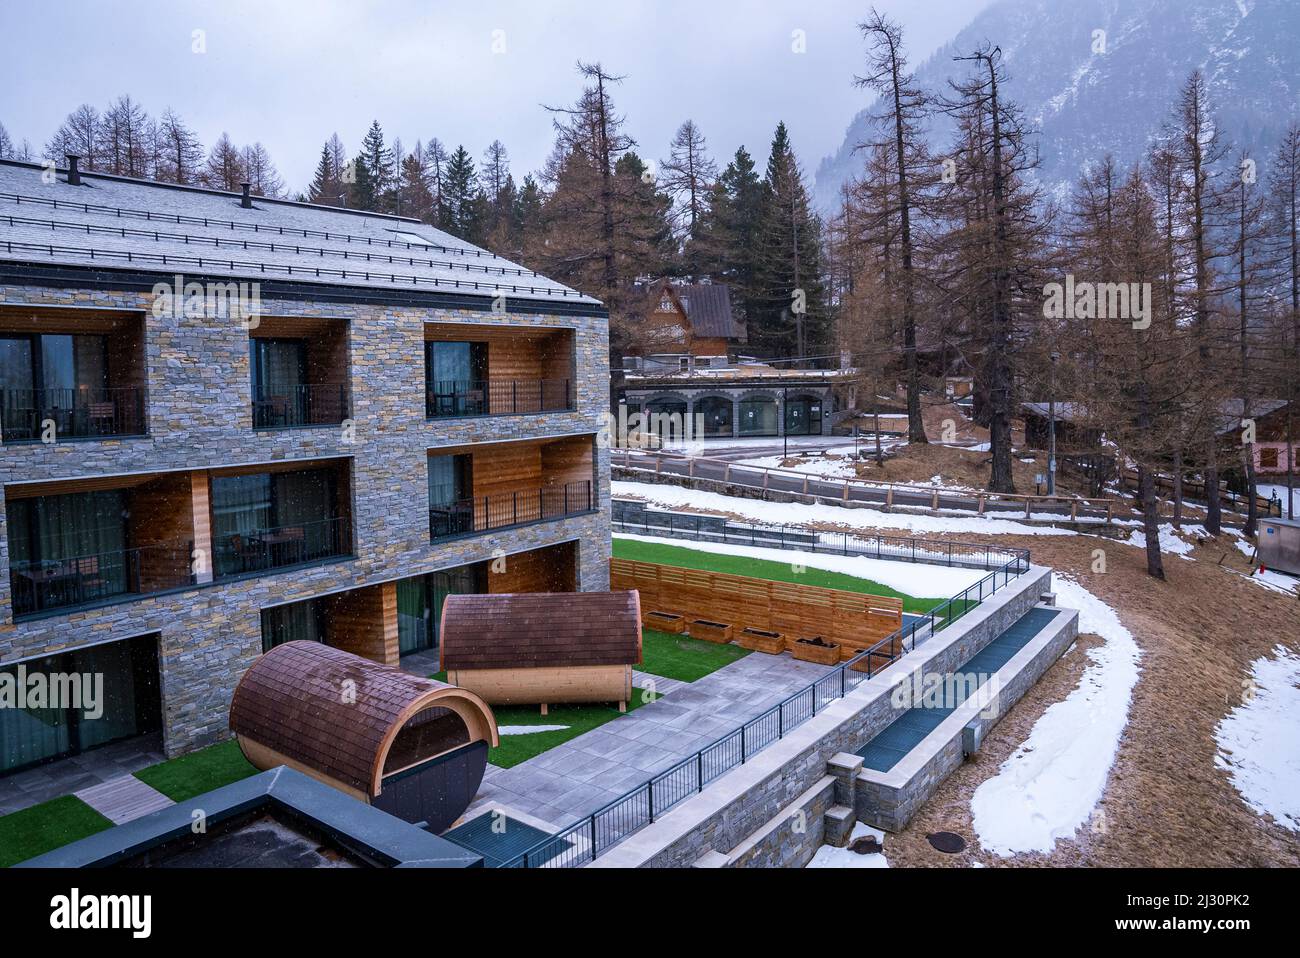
[
  {"x": 746, "y": 799},
  {"x": 888, "y": 801},
  {"x": 200, "y": 416}
]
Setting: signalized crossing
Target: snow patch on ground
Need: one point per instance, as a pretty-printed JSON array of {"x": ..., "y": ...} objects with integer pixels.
[
  {"x": 1279, "y": 491},
  {"x": 1169, "y": 542},
  {"x": 1049, "y": 786},
  {"x": 529, "y": 729},
  {"x": 798, "y": 514},
  {"x": 829, "y": 856},
  {"x": 1275, "y": 581},
  {"x": 1259, "y": 740},
  {"x": 910, "y": 578}
]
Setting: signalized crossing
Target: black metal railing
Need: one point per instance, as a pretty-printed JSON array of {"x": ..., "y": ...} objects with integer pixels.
[
  {"x": 589, "y": 837},
  {"x": 628, "y": 517},
  {"x": 260, "y": 550},
  {"x": 504, "y": 509},
  {"x": 496, "y": 397},
  {"x": 28, "y": 415},
  {"x": 63, "y": 583},
  {"x": 323, "y": 404}
]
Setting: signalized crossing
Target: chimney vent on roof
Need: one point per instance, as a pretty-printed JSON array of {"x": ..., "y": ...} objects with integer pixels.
[
  {"x": 74, "y": 174},
  {"x": 246, "y": 201}
]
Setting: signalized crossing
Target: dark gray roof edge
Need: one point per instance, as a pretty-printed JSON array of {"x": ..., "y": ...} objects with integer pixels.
[
  {"x": 351, "y": 823},
  {"x": 24, "y": 273},
  {"x": 208, "y": 191}
]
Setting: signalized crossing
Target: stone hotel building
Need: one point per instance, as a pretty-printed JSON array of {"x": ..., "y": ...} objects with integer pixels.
[{"x": 227, "y": 422}]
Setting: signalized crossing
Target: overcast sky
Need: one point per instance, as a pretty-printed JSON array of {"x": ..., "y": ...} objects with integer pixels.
[{"x": 291, "y": 72}]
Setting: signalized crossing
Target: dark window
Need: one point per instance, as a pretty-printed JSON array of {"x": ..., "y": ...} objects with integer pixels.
[
  {"x": 63, "y": 379},
  {"x": 716, "y": 414},
  {"x": 758, "y": 417},
  {"x": 456, "y": 379},
  {"x": 270, "y": 520},
  {"x": 1268, "y": 458},
  {"x": 69, "y": 550},
  {"x": 298, "y": 621},
  {"x": 129, "y": 703},
  {"x": 420, "y": 601},
  {"x": 451, "y": 483}
]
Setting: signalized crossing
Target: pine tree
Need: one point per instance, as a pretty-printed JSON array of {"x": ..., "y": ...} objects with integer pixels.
[
  {"x": 790, "y": 315},
  {"x": 461, "y": 213},
  {"x": 79, "y": 136},
  {"x": 225, "y": 166},
  {"x": 259, "y": 170},
  {"x": 327, "y": 183},
  {"x": 379, "y": 165},
  {"x": 180, "y": 154},
  {"x": 688, "y": 176},
  {"x": 906, "y": 108},
  {"x": 126, "y": 132},
  {"x": 362, "y": 193},
  {"x": 1284, "y": 228}
]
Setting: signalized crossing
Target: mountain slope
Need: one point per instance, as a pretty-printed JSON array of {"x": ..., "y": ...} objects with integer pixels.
[{"x": 1084, "y": 103}]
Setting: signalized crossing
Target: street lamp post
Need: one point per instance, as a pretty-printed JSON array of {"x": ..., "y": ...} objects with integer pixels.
[{"x": 1051, "y": 426}]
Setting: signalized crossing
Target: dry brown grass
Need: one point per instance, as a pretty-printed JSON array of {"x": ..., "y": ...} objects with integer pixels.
[{"x": 1165, "y": 803}]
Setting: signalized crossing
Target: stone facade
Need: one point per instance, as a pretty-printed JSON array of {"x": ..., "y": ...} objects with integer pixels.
[{"x": 199, "y": 412}]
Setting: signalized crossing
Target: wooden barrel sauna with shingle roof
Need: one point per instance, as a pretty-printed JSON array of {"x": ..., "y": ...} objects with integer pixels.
[
  {"x": 543, "y": 648},
  {"x": 414, "y": 747}
]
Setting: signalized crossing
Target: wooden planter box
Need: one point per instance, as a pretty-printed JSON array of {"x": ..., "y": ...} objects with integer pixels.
[
  {"x": 718, "y": 632},
  {"x": 759, "y": 640},
  {"x": 665, "y": 622},
  {"x": 823, "y": 653}
]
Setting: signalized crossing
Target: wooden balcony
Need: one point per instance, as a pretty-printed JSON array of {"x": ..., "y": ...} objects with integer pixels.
[
  {"x": 299, "y": 371},
  {"x": 481, "y": 370},
  {"x": 85, "y": 542},
  {"x": 480, "y": 488},
  {"x": 71, "y": 374}
]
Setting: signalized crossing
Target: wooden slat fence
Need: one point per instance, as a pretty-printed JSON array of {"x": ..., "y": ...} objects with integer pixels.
[{"x": 855, "y": 620}]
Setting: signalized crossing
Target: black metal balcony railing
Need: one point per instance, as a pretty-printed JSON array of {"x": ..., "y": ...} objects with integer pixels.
[
  {"x": 505, "y": 509},
  {"x": 260, "y": 550},
  {"x": 323, "y": 404},
  {"x": 496, "y": 397},
  {"x": 26, "y": 415},
  {"x": 48, "y": 584}
]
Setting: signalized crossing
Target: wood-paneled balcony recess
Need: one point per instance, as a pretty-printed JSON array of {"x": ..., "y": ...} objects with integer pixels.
[
  {"x": 266, "y": 517},
  {"x": 473, "y": 370},
  {"x": 70, "y": 374},
  {"x": 299, "y": 370},
  {"x": 88, "y": 542},
  {"x": 480, "y": 488}
]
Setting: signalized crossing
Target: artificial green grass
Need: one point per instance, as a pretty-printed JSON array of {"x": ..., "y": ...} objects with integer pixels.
[
  {"x": 181, "y": 779},
  {"x": 45, "y": 827},
  {"x": 684, "y": 658},
  {"x": 515, "y": 749},
  {"x": 761, "y": 569}
]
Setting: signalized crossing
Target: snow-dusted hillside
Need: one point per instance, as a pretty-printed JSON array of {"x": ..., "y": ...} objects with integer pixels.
[{"x": 1086, "y": 103}]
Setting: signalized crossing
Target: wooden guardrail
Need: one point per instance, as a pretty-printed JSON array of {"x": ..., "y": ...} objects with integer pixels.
[
  {"x": 979, "y": 499},
  {"x": 854, "y": 620}
]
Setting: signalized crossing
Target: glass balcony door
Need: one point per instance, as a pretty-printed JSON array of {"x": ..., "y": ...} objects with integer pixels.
[
  {"x": 280, "y": 391},
  {"x": 58, "y": 377},
  {"x": 456, "y": 379},
  {"x": 131, "y": 704},
  {"x": 270, "y": 520},
  {"x": 420, "y": 601},
  {"x": 451, "y": 489},
  {"x": 69, "y": 550}
]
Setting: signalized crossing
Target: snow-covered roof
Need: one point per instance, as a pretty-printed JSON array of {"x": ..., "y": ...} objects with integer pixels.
[{"x": 118, "y": 222}]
